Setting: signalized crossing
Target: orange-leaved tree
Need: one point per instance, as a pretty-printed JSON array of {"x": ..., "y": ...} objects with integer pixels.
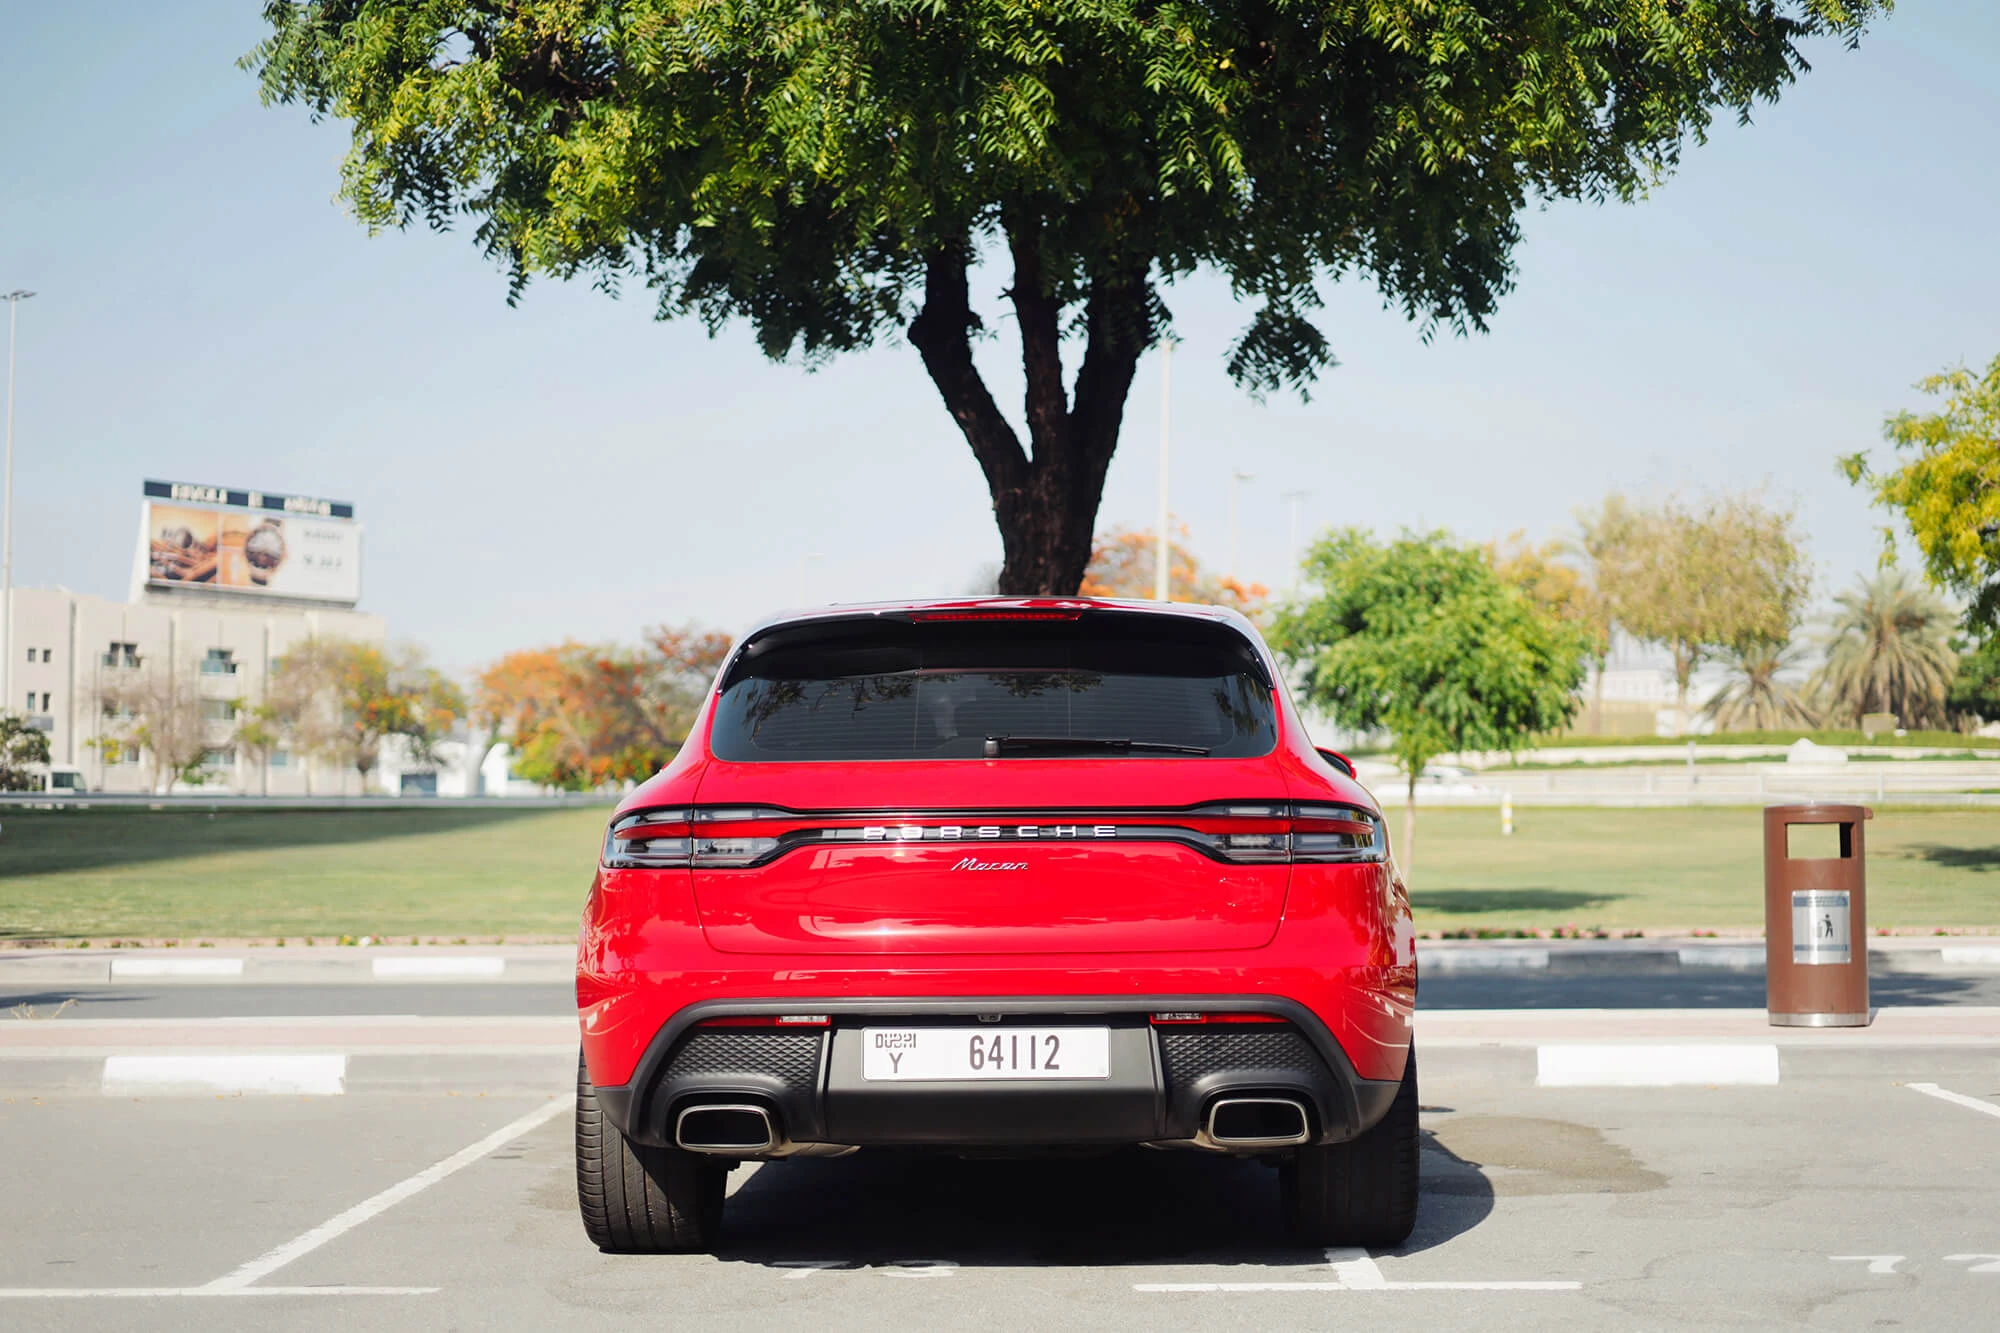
[
  {"x": 1122, "y": 562},
  {"x": 581, "y": 716}
]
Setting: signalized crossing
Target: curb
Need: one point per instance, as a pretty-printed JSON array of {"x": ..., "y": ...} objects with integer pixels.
[
  {"x": 1615, "y": 960},
  {"x": 278, "y": 967}
]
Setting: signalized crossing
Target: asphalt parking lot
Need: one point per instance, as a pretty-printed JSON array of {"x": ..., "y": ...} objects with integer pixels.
[{"x": 1838, "y": 1200}]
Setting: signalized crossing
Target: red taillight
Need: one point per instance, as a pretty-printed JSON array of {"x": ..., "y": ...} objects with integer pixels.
[{"x": 1174, "y": 1018}]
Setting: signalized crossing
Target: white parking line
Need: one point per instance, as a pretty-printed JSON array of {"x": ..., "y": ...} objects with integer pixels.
[
  {"x": 1955, "y": 1098},
  {"x": 176, "y": 967},
  {"x": 151, "y": 1293},
  {"x": 1354, "y": 1270},
  {"x": 1981, "y": 955},
  {"x": 1606, "y": 1066},
  {"x": 142, "y": 1075},
  {"x": 439, "y": 967},
  {"x": 342, "y": 1223}
]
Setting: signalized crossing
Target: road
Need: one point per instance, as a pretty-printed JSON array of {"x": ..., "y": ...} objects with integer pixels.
[
  {"x": 1843, "y": 1195},
  {"x": 1440, "y": 991}
]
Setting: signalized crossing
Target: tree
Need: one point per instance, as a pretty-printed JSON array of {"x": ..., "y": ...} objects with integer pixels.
[
  {"x": 343, "y": 699},
  {"x": 834, "y": 172},
  {"x": 1557, "y": 586},
  {"x": 580, "y": 717},
  {"x": 159, "y": 709},
  {"x": 1888, "y": 650},
  {"x": 21, "y": 748},
  {"x": 1421, "y": 638},
  {"x": 1122, "y": 565},
  {"x": 1975, "y": 689},
  {"x": 1949, "y": 493},
  {"x": 1755, "y": 695},
  {"x": 1700, "y": 578}
]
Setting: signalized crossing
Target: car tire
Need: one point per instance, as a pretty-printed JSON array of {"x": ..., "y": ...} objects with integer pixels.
[
  {"x": 1362, "y": 1192},
  {"x": 637, "y": 1199}
]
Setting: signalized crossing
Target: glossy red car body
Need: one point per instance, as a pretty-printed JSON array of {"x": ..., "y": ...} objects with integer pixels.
[{"x": 867, "y": 920}]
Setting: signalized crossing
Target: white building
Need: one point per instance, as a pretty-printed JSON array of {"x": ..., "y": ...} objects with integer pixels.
[{"x": 70, "y": 650}]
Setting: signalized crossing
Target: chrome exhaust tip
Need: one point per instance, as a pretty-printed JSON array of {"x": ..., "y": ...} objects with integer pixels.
[
  {"x": 731, "y": 1130},
  {"x": 1257, "y": 1122}
]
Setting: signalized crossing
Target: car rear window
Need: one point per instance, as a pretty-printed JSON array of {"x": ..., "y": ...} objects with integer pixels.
[{"x": 897, "y": 689}]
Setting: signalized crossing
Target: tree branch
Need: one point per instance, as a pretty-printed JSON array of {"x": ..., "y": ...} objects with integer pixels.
[
  {"x": 1040, "y": 318},
  {"x": 942, "y": 335}
]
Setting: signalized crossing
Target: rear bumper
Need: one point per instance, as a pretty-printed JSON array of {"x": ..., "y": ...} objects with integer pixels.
[{"x": 1164, "y": 1080}]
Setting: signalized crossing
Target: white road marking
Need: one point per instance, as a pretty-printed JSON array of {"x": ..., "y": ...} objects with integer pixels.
[
  {"x": 1877, "y": 1263},
  {"x": 1606, "y": 1066},
  {"x": 1955, "y": 1098},
  {"x": 1354, "y": 1270},
  {"x": 308, "y": 1075},
  {"x": 805, "y": 1268},
  {"x": 1992, "y": 1264},
  {"x": 440, "y": 967},
  {"x": 1985, "y": 955},
  {"x": 335, "y": 1227},
  {"x": 149, "y": 1293},
  {"x": 176, "y": 967}
]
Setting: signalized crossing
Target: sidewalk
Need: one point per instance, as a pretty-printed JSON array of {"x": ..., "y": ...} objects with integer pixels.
[{"x": 1931, "y": 954}]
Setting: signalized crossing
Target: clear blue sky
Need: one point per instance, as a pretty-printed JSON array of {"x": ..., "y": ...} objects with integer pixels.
[{"x": 571, "y": 468}]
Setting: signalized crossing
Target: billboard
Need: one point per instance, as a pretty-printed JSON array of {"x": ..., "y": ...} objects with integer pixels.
[{"x": 252, "y": 543}]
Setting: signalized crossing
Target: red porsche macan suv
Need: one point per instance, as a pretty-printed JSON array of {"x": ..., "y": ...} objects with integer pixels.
[{"x": 992, "y": 876}]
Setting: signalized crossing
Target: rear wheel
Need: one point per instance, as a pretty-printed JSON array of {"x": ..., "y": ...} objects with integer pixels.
[
  {"x": 637, "y": 1199},
  {"x": 1362, "y": 1192}
]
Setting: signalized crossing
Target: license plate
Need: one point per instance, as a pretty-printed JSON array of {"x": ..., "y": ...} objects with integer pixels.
[{"x": 975, "y": 1054}]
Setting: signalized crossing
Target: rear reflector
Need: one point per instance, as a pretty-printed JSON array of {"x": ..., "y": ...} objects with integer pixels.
[
  {"x": 768, "y": 1021},
  {"x": 1164, "y": 1019}
]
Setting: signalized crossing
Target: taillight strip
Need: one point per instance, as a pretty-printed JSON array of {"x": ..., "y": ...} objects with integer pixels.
[{"x": 725, "y": 837}]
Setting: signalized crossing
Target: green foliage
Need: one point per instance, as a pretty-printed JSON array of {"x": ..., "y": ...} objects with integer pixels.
[
  {"x": 1421, "y": 638},
  {"x": 340, "y": 699},
  {"x": 828, "y": 171},
  {"x": 1755, "y": 696},
  {"x": 1949, "y": 492},
  {"x": 1888, "y": 651},
  {"x": 20, "y": 747},
  {"x": 1725, "y": 572},
  {"x": 1975, "y": 689}
]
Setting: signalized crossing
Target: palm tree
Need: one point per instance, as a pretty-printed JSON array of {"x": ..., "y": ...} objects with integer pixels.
[
  {"x": 1754, "y": 697},
  {"x": 1888, "y": 650}
]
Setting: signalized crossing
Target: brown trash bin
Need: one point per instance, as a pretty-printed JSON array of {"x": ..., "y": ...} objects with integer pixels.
[{"x": 1816, "y": 920}]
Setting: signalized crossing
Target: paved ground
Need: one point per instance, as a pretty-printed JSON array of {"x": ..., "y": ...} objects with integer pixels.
[
  {"x": 436, "y": 1190},
  {"x": 1838, "y": 1202},
  {"x": 1441, "y": 991}
]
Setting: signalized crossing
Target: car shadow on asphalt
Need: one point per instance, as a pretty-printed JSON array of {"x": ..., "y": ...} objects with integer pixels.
[{"x": 1128, "y": 1208}]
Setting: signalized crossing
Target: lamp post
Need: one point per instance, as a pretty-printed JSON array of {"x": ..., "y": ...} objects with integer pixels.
[
  {"x": 1161, "y": 588},
  {"x": 1294, "y": 499},
  {"x": 14, "y": 299},
  {"x": 1235, "y": 567}
]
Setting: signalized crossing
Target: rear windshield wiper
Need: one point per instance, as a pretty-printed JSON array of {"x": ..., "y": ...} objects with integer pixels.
[{"x": 1000, "y": 745}]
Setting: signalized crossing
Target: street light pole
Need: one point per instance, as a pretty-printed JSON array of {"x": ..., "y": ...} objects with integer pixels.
[
  {"x": 1161, "y": 588},
  {"x": 1235, "y": 555},
  {"x": 14, "y": 300},
  {"x": 1294, "y": 499}
]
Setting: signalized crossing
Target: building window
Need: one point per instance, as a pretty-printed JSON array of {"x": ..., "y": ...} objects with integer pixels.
[
  {"x": 219, "y": 662},
  {"x": 215, "y": 760},
  {"x": 218, "y": 710},
  {"x": 122, "y": 657},
  {"x": 48, "y": 654},
  {"x": 281, "y": 759},
  {"x": 45, "y": 701},
  {"x": 32, "y": 652}
]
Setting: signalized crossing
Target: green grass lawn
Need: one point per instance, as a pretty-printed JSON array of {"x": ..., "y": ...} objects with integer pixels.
[
  {"x": 433, "y": 871},
  {"x": 1687, "y": 867},
  {"x": 429, "y": 871}
]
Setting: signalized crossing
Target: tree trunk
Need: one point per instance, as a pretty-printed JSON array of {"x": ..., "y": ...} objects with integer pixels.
[
  {"x": 1408, "y": 857},
  {"x": 1597, "y": 701},
  {"x": 1046, "y": 503}
]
